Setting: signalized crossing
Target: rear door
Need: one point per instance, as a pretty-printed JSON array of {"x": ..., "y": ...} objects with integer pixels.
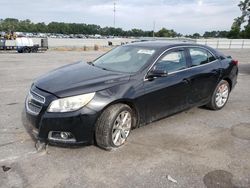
[{"x": 204, "y": 74}]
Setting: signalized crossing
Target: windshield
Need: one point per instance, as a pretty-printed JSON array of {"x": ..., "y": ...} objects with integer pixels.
[{"x": 128, "y": 59}]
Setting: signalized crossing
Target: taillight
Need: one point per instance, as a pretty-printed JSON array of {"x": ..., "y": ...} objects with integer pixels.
[{"x": 235, "y": 62}]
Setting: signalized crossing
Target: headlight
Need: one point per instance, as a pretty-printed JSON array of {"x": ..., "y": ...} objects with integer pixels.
[{"x": 69, "y": 104}]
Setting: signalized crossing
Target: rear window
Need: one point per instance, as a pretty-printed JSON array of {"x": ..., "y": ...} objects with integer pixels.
[{"x": 200, "y": 56}]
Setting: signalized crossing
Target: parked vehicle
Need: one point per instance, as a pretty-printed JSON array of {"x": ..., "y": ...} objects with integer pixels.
[
  {"x": 130, "y": 86},
  {"x": 23, "y": 45}
]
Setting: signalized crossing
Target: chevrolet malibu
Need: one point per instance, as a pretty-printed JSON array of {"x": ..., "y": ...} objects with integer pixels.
[{"x": 130, "y": 86}]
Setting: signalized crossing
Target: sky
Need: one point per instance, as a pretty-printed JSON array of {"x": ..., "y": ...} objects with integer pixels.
[{"x": 184, "y": 16}]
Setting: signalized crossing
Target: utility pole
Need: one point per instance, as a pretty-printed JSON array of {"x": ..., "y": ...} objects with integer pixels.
[
  {"x": 114, "y": 12},
  {"x": 153, "y": 29}
]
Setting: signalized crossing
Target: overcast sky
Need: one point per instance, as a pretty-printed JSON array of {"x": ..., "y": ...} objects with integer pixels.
[{"x": 184, "y": 16}]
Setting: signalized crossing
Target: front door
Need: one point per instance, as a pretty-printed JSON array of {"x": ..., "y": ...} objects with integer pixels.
[{"x": 167, "y": 95}]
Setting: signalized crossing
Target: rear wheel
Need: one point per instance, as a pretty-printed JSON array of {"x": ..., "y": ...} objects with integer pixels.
[
  {"x": 220, "y": 96},
  {"x": 26, "y": 50},
  {"x": 114, "y": 126},
  {"x": 34, "y": 49}
]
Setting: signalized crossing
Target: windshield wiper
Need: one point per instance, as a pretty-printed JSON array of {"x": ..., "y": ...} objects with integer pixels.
[
  {"x": 90, "y": 63},
  {"x": 105, "y": 69}
]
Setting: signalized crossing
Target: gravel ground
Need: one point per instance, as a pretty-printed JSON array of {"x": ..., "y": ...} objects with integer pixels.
[{"x": 197, "y": 148}]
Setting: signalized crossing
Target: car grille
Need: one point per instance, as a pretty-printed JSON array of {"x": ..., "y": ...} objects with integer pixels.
[
  {"x": 38, "y": 97},
  {"x": 34, "y": 103}
]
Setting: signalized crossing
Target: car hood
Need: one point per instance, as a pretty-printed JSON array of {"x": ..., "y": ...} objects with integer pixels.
[{"x": 79, "y": 78}]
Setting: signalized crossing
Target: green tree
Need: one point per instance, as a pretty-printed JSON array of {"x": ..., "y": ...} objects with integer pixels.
[
  {"x": 196, "y": 35},
  {"x": 12, "y": 24},
  {"x": 245, "y": 8},
  {"x": 166, "y": 33},
  {"x": 235, "y": 31}
]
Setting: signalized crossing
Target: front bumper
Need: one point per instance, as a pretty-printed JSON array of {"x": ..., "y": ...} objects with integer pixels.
[{"x": 79, "y": 123}]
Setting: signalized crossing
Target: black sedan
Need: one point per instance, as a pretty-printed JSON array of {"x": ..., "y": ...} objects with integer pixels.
[{"x": 128, "y": 87}]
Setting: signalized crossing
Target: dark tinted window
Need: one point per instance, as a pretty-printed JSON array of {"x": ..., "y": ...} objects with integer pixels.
[
  {"x": 200, "y": 56},
  {"x": 211, "y": 57},
  {"x": 173, "y": 61}
]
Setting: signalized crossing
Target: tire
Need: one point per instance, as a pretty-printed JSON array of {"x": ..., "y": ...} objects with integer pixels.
[
  {"x": 214, "y": 103},
  {"x": 34, "y": 50},
  {"x": 25, "y": 50},
  {"x": 110, "y": 130},
  {"x": 29, "y": 50}
]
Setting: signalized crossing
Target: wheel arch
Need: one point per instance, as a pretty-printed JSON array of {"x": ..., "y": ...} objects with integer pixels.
[
  {"x": 128, "y": 102},
  {"x": 131, "y": 104},
  {"x": 229, "y": 82}
]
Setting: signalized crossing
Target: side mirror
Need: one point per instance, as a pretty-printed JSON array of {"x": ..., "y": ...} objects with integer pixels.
[{"x": 157, "y": 71}]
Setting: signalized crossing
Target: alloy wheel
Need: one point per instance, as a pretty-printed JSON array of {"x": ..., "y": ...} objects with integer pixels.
[
  {"x": 222, "y": 95},
  {"x": 121, "y": 128}
]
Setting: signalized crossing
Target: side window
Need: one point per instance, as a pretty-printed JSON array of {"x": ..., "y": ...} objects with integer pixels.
[
  {"x": 173, "y": 61},
  {"x": 211, "y": 57},
  {"x": 200, "y": 56}
]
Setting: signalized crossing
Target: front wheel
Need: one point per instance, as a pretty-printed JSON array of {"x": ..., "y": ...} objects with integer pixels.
[
  {"x": 113, "y": 126},
  {"x": 220, "y": 96}
]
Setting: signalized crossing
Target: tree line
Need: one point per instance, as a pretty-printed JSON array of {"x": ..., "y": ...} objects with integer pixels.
[
  {"x": 12, "y": 24},
  {"x": 240, "y": 28}
]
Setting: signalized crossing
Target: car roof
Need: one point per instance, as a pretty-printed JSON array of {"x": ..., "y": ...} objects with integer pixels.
[{"x": 163, "y": 44}]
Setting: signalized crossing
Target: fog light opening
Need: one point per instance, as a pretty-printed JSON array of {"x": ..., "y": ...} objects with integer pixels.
[{"x": 61, "y": 136}]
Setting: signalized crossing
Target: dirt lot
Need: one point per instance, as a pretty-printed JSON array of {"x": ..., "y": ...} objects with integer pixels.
[{"x": 198, "y": 148}]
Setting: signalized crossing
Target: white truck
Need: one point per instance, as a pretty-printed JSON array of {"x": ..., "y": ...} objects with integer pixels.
[{"x": 23, "y": 45}]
